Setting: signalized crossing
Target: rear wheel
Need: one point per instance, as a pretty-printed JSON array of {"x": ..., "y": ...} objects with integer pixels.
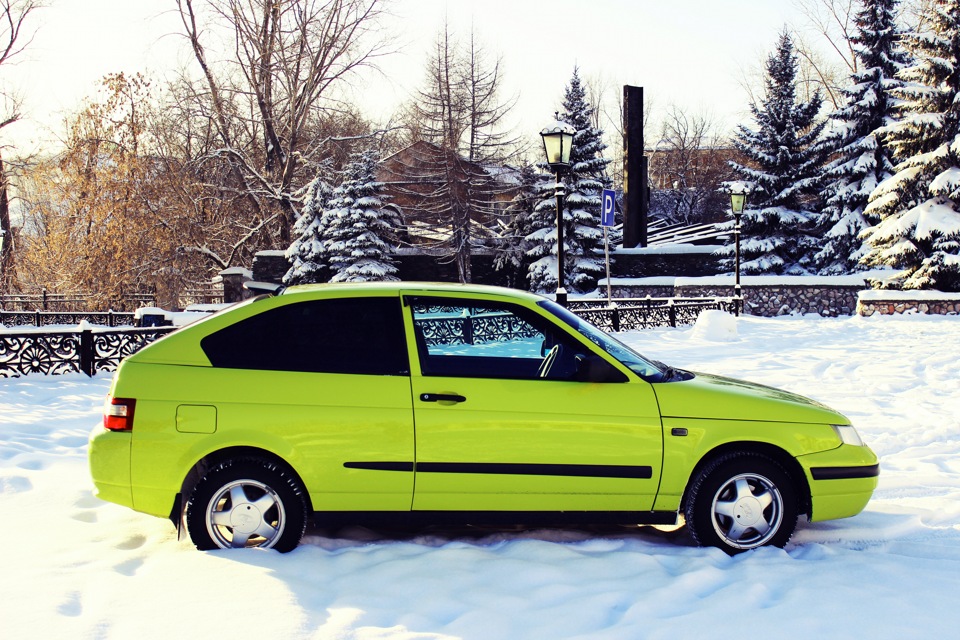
[
  {"x": 742, "y": 501},
  {"x": 248, "y": 502}
]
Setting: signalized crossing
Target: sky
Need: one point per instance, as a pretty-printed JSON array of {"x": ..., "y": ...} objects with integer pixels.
[{"x": 691, "y": 53}]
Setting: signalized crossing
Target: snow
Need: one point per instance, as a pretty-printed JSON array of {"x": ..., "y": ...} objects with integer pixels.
[
  {"x": 669, "y": 249},
  {"x": 912, "y": 294},
  {"x": 237, "y": 271},
  {"x": 649, "y": 281},
  {"x": 192, "y": 313},
  {"x": 726, "y": 280},
  {"x": 715, "y": 326},
  {"x": 75, "y": 567}
]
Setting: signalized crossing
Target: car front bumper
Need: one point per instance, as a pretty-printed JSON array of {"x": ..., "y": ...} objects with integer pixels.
[{"x": 841, "y": 481}]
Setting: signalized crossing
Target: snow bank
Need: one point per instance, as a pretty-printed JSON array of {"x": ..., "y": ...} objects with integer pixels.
[{"x": 715, "y": 326}]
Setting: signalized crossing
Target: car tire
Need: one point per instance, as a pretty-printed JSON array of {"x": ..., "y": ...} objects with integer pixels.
[
  {"x": 742, "y": 501},
  {"x": 247, "y": 502}
]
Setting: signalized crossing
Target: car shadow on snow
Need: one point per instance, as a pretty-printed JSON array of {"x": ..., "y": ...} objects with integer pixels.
[{"x": 435, "y": 535}]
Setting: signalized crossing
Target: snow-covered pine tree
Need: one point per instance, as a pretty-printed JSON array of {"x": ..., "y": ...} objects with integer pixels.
[
  {"x": 306, "y": 254},
  {"x": 784, "y": 162},
  {"x": 358, "y": 225},
  {"x": 862, "y": 159},
  {"x": 541, "y": 242},
  {"x": 511, "y": 257},
  {"x": 584, "y": 182},
  {"x": 919, "y": 206}
]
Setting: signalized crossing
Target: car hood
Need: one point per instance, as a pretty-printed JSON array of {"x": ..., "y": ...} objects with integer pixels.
[{"x": 719, "y": 398}]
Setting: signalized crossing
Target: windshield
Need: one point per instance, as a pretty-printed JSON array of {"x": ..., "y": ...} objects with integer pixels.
[{"x": 647, "y": 369}]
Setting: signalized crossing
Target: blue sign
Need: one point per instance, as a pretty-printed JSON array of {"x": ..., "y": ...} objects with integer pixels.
[{"x": 609, "y": 207}]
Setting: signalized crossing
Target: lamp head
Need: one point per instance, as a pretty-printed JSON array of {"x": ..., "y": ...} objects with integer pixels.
[{"x": 557, "y": 143}]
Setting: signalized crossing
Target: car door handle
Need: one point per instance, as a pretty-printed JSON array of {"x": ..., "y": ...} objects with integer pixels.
[{"x": 442, "y": 397}]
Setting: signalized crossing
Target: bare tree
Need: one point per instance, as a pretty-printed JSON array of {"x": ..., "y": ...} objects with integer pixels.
[
  {"x": 489, "y": 140},
  {"x": 14, "y": 37},
  {"x": 831, "y": 23},
  {"x": 100, "y": 216},
  {"x": 287, "y": 59},
  {"x": 460, "y": 113},
  {"x": 687, "y": 166}
]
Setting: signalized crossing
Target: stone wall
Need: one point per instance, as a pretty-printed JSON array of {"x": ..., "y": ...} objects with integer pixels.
[
  {"x": 270, "y": 266},
  {"x": 641, "y": 291},
  {"x": 893, "y": 302},
  {"x": 767, "y": 299},
  {"x": 779, "y": 300},
  {"x": 233, "y": 279}
]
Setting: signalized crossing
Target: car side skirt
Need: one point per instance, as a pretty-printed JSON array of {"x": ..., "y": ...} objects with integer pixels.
[{"x": 493, "y": 518}]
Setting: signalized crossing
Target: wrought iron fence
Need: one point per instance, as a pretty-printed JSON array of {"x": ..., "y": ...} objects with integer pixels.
[
  {"x": 89, "y": 350},
  {"x": 93, "y": 350},
  {"x": 48, "y": 318},
  {"x": 477, "y": 328},
  {"x": 624, "y": 314}
]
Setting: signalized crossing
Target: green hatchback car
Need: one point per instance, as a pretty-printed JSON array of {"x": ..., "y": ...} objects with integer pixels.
[{"x": 406, "y": 403}]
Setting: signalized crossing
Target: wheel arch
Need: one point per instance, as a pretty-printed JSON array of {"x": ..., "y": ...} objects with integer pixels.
[
  {"x": 780, "y": 456},
  {"x": 213, "y": 458}
]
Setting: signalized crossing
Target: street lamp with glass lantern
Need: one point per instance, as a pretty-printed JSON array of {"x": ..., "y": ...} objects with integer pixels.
[
  {"x": 738, "y": 200},
  {"x": 557, "y": 142}
]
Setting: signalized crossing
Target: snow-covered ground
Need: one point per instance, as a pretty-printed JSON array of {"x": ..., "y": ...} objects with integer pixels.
[{"x": 75, "y": 567}]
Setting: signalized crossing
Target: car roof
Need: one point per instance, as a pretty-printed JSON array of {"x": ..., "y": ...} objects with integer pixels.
[{"x": 415, "y": 287}]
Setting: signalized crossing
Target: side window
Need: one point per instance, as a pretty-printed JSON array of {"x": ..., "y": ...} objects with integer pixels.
[
  {"x": 353, "y": 335},
  {"x": 474, "y": 339}
]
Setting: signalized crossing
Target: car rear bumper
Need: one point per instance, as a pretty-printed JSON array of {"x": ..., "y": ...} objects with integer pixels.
[{"x": 109, "y": 459}]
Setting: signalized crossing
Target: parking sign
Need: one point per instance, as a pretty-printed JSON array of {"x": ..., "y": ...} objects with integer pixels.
[{"x": 609, "y": 206}]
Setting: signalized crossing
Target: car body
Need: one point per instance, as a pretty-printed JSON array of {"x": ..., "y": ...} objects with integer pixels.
[{"x": 438, "y": 403}]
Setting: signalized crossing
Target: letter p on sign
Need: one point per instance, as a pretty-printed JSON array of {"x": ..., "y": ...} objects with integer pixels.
[{"x": 609, "y": 206}]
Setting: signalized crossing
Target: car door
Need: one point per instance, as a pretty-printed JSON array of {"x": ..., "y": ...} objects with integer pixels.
[{"x": 495, "y": 431}]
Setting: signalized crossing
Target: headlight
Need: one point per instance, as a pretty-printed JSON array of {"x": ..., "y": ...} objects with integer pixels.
[{"x": 848, "y": 435}]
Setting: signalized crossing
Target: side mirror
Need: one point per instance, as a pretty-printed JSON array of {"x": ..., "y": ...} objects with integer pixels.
[{"x": 593, "y": 368}]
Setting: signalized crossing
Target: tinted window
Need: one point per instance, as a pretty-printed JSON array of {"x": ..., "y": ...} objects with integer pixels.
[
  {"x": 484, "y": 340},
  {"x": 357, "y": 335}
]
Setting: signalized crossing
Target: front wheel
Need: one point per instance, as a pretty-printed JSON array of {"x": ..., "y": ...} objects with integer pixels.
[
  {"x": 742, "y": 501},
  {"x": 244, "y": 503}
]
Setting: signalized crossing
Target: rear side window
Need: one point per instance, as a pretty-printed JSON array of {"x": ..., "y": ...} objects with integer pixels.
[{"x": 355, "y": 335}]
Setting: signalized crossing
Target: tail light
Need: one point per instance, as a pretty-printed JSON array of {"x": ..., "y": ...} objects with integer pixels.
[{"x": 118, "y": 413}]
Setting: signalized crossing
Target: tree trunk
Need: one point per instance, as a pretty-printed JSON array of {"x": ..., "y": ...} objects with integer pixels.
[{"x": 6, "y": 252}]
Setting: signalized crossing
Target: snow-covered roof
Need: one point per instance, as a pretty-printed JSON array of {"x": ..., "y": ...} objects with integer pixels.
[
  {"x": 756, "y": 281},
  {"x": 668, "y": 249},
  {"x": 913, "y": 294}
]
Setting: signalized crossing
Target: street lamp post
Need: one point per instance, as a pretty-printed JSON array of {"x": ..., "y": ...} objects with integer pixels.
[
  {"x": 738, "y": 199},
  {"x": 557, "y": 142}
]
